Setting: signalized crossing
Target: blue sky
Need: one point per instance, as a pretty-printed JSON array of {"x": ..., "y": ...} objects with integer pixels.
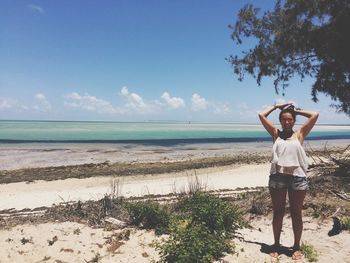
[{"x": 131, "y": 61}]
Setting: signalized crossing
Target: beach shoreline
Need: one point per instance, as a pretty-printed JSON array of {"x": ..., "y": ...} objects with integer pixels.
[
  {"x": 54, "y": 176},
  {"x": 36, "y": 155}
]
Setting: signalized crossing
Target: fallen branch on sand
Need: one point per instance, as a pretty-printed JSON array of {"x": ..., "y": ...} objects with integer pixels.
[
  {"x": 341, "y": 195},
  {"x": 327, "y": 162}
]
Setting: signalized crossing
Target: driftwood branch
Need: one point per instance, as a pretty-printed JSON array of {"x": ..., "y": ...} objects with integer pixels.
[
  {"x": 335, "y": 213},
  {"x": 331, "y": 162}
]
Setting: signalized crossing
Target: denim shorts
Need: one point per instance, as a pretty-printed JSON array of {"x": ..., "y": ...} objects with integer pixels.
[{"x": 281, "y": 181}]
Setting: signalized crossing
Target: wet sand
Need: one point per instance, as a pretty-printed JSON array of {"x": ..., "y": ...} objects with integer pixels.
[{"x": 34, "y": 155}]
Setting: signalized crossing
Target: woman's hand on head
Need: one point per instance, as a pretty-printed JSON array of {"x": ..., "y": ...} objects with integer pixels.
[{"x": 282, "y": 105}]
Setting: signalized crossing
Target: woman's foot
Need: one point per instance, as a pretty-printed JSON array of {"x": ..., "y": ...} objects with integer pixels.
[
  {"x": 274, "y": 251},
  {"x": 297, "y": 253}
]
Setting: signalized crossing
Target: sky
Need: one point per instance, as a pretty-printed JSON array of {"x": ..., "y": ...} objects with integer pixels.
[{"x": 132, "y": 60}]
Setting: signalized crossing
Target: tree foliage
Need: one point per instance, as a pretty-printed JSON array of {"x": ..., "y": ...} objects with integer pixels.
[{"x": 304, "y": 38}]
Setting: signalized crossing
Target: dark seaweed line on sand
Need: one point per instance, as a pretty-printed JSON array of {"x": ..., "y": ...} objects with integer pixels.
[{"x": 124, "y": 169}]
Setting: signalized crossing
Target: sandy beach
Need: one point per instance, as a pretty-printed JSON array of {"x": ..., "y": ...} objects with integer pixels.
[
  {"x": 76, "y": 242},
  {"x": 80, "y": 243},
  {"x": 42, "y": 193}
]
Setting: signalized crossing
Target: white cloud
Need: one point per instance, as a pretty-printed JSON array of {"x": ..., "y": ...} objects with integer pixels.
[
  {"x": 173, "y": 102},
  {"x": 124, "y": 91},
  {"x": 5, "y": 104},
  {"x": 89, "y": 103},
  {"x": 222, "y": 108},
  {"x": 42, "y": 103},
  {"x": 11, "y": 104},
  {"x": 36, "y": 8},
  {"x": 198, "y": 102},
  {"x": 137, "y": 103}
]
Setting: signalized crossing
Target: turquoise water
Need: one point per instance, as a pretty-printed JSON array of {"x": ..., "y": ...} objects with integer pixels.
[{"x": 19, "y": 131}]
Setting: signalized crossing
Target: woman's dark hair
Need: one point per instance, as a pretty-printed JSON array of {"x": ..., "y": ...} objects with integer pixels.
[{"x": 290, "y": 110}]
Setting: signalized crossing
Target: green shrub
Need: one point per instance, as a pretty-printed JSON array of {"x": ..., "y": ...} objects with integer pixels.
[
  {"x": 319, "y": 210},
  {"x": 218, "y": 215},
  {"x": 150, "y": 215},
  {"x": 199, "y": 226},
  {"x": 193, "y": 243},
  {"x": 309, "y": 252},
  {"x": 345, "y": 222}
]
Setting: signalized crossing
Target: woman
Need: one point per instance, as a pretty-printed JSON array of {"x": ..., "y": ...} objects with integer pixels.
[{"x": 288, "y": 170}]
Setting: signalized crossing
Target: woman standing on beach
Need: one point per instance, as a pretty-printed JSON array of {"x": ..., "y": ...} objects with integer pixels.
[{"x": 288, "y": 170}]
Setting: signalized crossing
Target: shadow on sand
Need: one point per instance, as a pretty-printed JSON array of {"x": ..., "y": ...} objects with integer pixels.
[{"x": 267, "y": 249}]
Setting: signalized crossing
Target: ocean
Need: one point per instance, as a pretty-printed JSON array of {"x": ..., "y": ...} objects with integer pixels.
[{"x": 147, "y": 132}]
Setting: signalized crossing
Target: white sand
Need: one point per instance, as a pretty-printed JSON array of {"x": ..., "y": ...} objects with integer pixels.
[
  {"x": 329, "y": 249},
  {"x": 83, "y": 245},
  {"x": 41, "y": 193},
  {"x": 73, "y": 245}
]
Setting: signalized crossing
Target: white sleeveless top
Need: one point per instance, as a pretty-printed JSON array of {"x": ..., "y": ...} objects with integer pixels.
[{"x": 289, "y": 157}]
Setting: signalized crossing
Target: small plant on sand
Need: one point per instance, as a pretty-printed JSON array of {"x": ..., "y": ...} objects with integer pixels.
[
  {"x": 26, "y": 240},
  {"x": 309, "y": 252},
  {"x": 52, "y": 241},
  {"x": 200, "y": 229},
  {"x": 116, "y": 188},
  {"x": 149, "y": 215},
  {"x": 318, "y": 210},
  {"x": 77, "y": 231},
  {"x": 194, "y": 185},
  {"x": 199, "y": 225},
  {"x": 193, "y": 243},
  {"x": 345, "y": 222},
  {"x": 219, "y": 216},
  {"x": 95, "y": 259}
]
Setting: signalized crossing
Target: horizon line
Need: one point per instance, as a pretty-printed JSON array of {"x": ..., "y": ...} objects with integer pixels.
[{"x": 163, "y": 121}]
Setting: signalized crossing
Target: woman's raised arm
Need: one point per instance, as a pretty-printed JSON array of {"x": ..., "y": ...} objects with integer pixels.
[{"x": 308, "y": 124}]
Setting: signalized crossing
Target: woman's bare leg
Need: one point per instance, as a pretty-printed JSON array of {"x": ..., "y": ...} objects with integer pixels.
[
  {"x": 296, "y": 200},
  {"x": 278, "y": 197}
]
